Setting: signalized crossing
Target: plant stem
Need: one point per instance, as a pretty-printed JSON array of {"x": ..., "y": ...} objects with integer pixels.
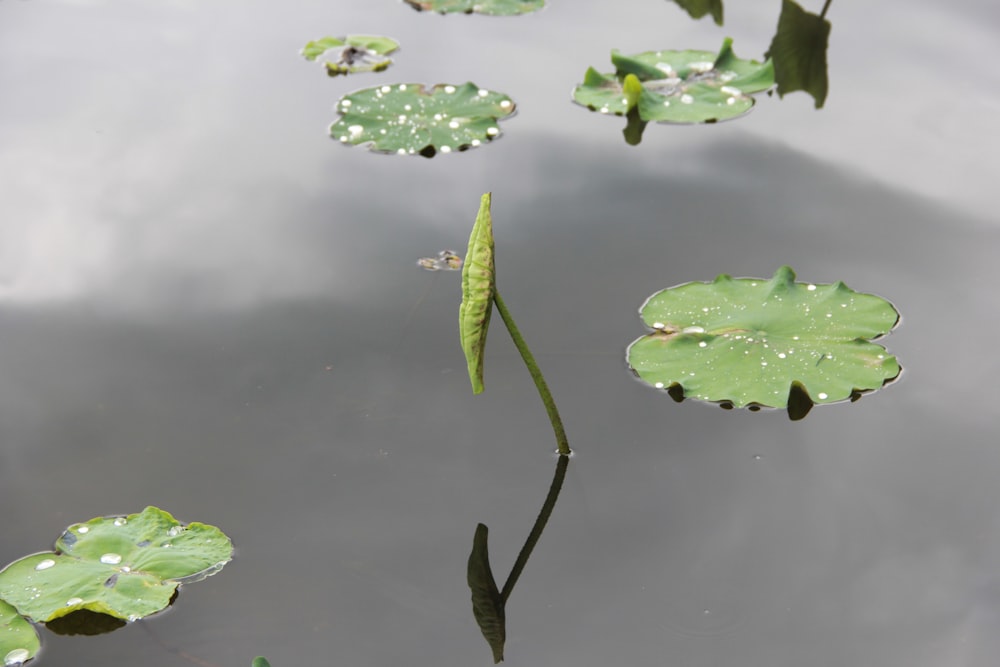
[
  {"x": 826, "y": 6},
  {"x": 536, "y": 375},
  {"x": 536, "y": 531}
]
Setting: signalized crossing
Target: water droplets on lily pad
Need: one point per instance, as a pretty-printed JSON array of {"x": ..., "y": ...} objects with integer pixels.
[
  {"x": 122, "y": 567},
  {"x": 351, "y": 54},
  {"x": 676, "y": 86},
  {"x": 410, "y": 119},
  {"x": 750, "y": 342},
  {"x": 18, "y": 640},
  {"x": 490, "y": 7}
]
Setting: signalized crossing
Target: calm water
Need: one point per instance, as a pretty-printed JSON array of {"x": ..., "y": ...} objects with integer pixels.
[{"x": 209, "y": 306}]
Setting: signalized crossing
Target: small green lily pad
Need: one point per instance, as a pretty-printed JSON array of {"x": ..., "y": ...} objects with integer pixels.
[
  {"x": 18, "y": 640},
  {"x": 409, "y": 119},
  {"x": 774, "y": 343},
  {"x": 478, "y": 289},
  {"x": 676, "y": 86},
  {"x": 127, "y": 567},
  {"x": 351, "y": 54},
  {"x": 491, "y": 7}
]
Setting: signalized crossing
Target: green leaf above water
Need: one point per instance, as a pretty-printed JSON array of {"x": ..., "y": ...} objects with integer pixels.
[
  {"x": 676, "y": 86},
  {"x": 491, "y": 7},
  {"x": 478, "y": 290},
  {"x": 18, "y": 639},
  {"x": 698, "y": 8},
  {"x": 351, "y": 54},
  {"x": 773, "y": 343},
  {"x": 799, "y": 52},
  {"x": 409, "y": 119},
  {"x": 125, "y": 567}
]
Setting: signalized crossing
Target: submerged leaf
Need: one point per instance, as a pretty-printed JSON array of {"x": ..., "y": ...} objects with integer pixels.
[
  {"x": 409, "y": 119},
  {"x": 126, "y": 567},
  {"x": 491, "y": 7},
  {"x": 478, "y": 288},
  {"x": 676, "y": 86},
  {"x": 351, "y": 54},
  {"x": 799, "y": 52},
  {"x": 774, "y": 343},
  {"x": 18, "y": 639},
  {"x": 487, "y": 604}
]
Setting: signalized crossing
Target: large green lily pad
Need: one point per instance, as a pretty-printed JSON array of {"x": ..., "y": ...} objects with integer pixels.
[
  {"x": 676, "y": 86},
  {"x": 491, "y": 7},
  {"x": 127, "y": 567},
  {"x": 774, "y": 343},
  {"x": 409, "y": 119},
  {"x": 478, "y": 290},
  {"x": 351, "y": 54},
  {"x": 18, "y": 639}
]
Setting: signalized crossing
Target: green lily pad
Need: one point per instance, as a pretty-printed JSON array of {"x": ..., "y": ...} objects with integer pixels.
[
  {"x": 478, "y": 289},
  {"x": 487, "y": 603},
  {"x": 774, "y": 343},
  {"x": 351, "y": 54},
  {"x": 408, "y": 119},
  {"x": 126, "y": 567},
  {"x": 799, "y": 52},
  {"x": 18, "y": 640},
  {"x": 676, "y": 86},
  {"x": 698, "y": 8},
  {"x": 491, "y": 7}
]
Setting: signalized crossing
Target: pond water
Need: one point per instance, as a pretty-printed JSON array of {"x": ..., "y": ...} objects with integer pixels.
[{"x": 209, "y": 306}]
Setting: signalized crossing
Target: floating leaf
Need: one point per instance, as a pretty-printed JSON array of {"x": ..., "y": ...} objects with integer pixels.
[
  {"x": 18, "y": 639},
  {"x": 487, "y": 604},
  {"x": 676, "y": 86},
  {"x": 125, "y": 567},
  {"x": 351, "y": 54},
  {"x": 799, "y": 52},
  {"x": 774, "y": 343},
  {"x": 698, "y": 8},
  {"x": 491, "y": 7},
  {"x": 478, "y": 288},
  {"x": 409, "y": 119}
]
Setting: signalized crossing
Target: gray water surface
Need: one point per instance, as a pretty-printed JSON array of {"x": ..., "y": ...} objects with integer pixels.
[{"x": 209, "y": 306}]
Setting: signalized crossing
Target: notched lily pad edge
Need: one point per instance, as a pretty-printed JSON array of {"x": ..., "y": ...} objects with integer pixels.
[{"x": 799, "y": 400}]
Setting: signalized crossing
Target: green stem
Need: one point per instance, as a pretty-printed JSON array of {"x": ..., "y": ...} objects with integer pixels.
[
  {"x": 826, "y": 6},
  {"x": 536, "y": 375},
  {"x": 536, "y": 531}
]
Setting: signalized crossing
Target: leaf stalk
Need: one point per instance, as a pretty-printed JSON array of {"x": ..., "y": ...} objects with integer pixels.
[{"x": 536, "y": 374}]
